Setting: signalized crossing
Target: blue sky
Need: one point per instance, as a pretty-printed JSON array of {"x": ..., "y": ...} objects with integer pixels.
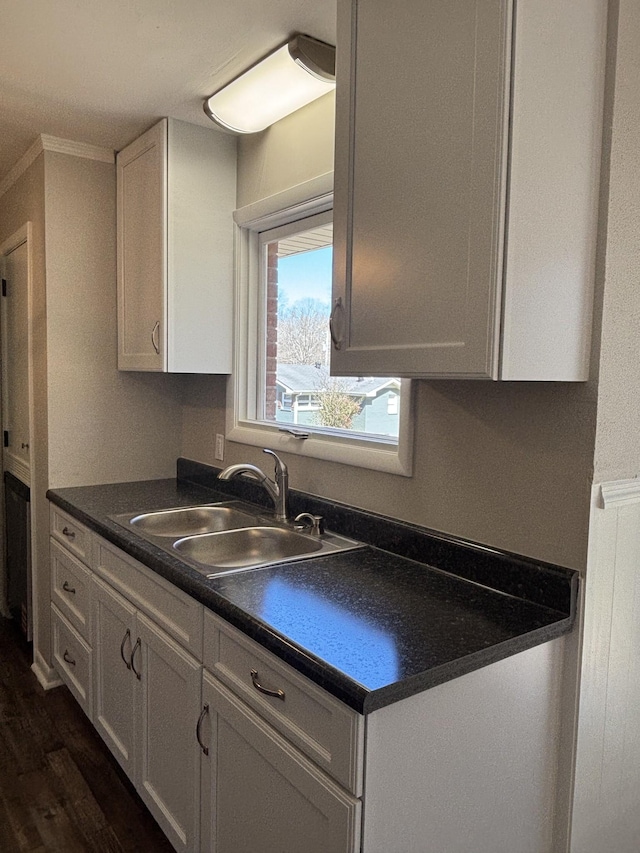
[{"x": 306, "y": 275}]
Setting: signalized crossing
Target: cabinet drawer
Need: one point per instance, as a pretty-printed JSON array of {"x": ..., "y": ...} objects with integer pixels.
[
  {"x": 328, "y": 732},
  {"x": 73, "y": 660},
  {"x": 71, "y": 587},
  {"x": 170, "y": 608},
  {"x": 73, "y": 535}
]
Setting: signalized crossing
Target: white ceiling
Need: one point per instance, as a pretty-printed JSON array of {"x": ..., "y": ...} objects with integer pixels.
[{"x": 102, "y": 71}]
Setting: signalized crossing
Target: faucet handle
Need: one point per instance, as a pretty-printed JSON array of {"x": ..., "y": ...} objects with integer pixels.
[
  {"x": 316, "y": 522},
  {"x": 281, "y": 467}
]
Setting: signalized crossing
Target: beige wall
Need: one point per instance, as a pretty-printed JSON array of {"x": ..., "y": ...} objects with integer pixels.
[
  {"x": 24, "y": 202},
  {"x": 505, "y": 464},
  {"x": 289, "y": 152},
  {"x": 607, "y": 779},
  {"x": 105, "y": 426},
  {"x": 617, "y": 452},
  {"x": 92, "y": 423}
]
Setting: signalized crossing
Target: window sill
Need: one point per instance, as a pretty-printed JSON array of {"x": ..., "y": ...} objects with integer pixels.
[{"x": 357, "y": 452}]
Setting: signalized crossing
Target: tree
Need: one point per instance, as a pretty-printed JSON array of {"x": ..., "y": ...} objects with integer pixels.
[
  {"x": 337, "y": 408},
  {"x": 302, "y": 332}
]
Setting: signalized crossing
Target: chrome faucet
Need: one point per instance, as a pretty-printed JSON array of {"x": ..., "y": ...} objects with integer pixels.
[{"x": 278, "y": 490}]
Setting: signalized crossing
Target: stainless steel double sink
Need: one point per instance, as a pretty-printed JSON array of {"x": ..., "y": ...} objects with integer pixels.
[{"x": 226, "y": 537}]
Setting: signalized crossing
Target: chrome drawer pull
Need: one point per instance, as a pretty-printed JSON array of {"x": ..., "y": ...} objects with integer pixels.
[
  {"x": 133, "y": 654},
  {"x": 203, "y": 713},
  {"x": 69, "y": 533},
  {"x": 277, "y": 694},
  {"x": 126, "y": 637},
  {"x": 67, "y": 588},
  {"x": 67, "y": 658},
  {"x": 155, "y": 337}
]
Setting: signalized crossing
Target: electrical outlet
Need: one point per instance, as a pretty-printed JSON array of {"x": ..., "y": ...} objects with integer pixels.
[{"x": 219, "y": 452}]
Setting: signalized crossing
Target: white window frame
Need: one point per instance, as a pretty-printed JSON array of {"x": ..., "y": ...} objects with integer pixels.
[{"x": 300, "y": 202}]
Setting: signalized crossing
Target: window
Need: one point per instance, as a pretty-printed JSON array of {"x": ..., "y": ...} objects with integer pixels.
[{"x": 283, "y": 393}]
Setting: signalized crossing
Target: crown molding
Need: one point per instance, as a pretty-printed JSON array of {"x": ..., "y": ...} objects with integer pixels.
[
  {"x": 77, "y": 149},
  {"x": 620, "y": 493},
  {"x": 61, "y": 146}
]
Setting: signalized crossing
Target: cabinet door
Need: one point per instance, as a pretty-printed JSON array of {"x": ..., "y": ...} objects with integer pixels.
[
  {"x": 263, "y": 794},
  {"x": 167, "y": 713},
  {"x": 142, "y": 251},
  {"x": 114, "y": 687},
  {"x": 420, "y": 178}
]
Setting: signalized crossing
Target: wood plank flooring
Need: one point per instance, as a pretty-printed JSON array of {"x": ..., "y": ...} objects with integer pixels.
[{"x": 60, "y": 788}]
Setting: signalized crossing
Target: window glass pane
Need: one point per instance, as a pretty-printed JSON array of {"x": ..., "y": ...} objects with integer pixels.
[{"x": 297, "y": 387}]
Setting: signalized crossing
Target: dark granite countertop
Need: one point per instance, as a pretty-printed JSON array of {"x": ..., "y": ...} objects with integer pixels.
[{"x": 369, "y": 626}]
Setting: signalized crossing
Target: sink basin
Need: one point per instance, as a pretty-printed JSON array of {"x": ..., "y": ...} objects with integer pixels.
[
  {"x": 247, "y": 548},
  {"x": 220, "y": 538},
  {"x": 189, "y": 521}
]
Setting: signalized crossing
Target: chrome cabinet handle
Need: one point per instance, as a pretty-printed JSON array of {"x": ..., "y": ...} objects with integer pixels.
[
  {"x": 336, "y": 337},
  {"x": 126, "y": 637},
  {"x": 277, "y": 694},
  {"x": 67, "y": 588},
  {"x": 154, "y": 337},
  {"x": 133, "y": 654},
  {"x": 203, "y": 714},
  {"x": 69, "y": 533},
  {"x": 67, "y": 658}
]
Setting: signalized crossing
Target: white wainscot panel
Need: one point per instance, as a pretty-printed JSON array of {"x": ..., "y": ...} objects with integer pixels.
[{"x": 606, "y": 816}]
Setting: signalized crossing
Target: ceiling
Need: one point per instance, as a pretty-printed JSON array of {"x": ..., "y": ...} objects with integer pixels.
[{"x": 103, "y": 71}]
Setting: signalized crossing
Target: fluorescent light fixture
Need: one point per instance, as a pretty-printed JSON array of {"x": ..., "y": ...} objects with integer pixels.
[{"x": 291, "y": 76}]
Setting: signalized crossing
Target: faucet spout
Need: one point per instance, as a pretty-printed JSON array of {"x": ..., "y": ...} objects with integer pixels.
[
  {"x": 235, "y": 471},
  {"x": 277, "y": 489}
]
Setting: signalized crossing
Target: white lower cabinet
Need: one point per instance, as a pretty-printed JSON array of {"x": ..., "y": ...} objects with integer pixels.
[
  {"x": 147, "y": 700},
  {"x": 222, "y": 764},
  {"x": 233, "y": 751},
  {"x": 260, "y": 793}
]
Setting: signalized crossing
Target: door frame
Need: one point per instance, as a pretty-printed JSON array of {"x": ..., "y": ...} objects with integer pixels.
[{"x": 23, "y": 235}]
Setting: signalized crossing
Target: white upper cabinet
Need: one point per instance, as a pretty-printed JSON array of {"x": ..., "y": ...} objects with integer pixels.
[
  {"x": 176, "y": 194},
  {"x": 466, "y": 187}
]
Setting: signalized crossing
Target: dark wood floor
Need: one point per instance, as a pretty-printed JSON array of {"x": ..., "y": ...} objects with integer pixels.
[{"x": 60, "y": 788}]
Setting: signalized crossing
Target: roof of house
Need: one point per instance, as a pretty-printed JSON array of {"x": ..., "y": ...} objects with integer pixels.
[{"x": 308, "y": 379}]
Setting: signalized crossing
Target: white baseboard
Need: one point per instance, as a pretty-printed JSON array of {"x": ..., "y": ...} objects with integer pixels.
[{"x": 46, "y": 675}]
